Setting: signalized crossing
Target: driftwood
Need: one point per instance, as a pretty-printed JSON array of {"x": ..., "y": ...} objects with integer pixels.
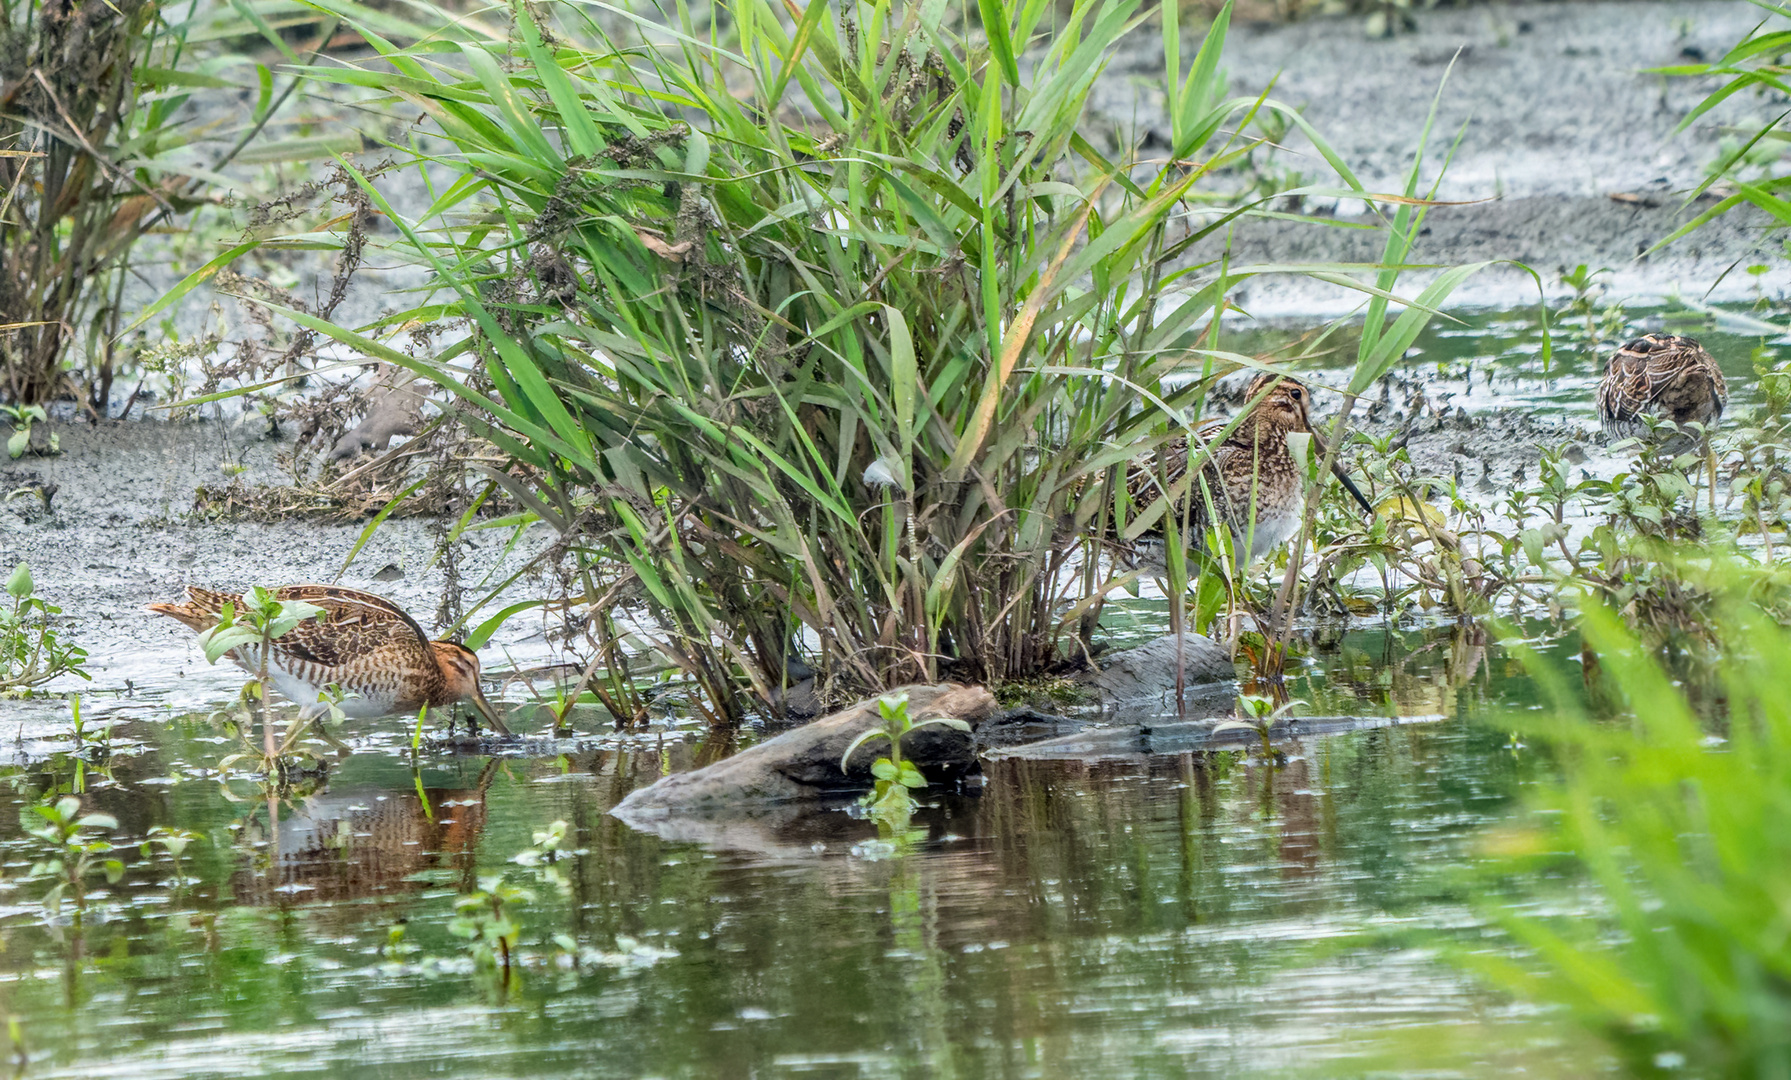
[{"x": 804, "y": 763}]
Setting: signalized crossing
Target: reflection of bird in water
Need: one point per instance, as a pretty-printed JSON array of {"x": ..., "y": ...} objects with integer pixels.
[
  {"x": 1669, "y": 379},
  {"x": 368, "y": 843},
  {"x": 1251, "y": 479},
  {"x": 363, "y": 643}
]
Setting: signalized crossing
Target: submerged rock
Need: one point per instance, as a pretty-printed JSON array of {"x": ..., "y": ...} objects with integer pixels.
[{"x": 804, "y": 763}]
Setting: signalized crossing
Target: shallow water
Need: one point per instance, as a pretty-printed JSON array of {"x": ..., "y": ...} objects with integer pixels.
[
  {"x": 1170, "y": 915},
  {"x": 1488, "y": 360}
]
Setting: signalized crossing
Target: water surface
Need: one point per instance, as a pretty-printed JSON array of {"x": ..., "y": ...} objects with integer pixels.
[{"x": 1171, "y": 915}]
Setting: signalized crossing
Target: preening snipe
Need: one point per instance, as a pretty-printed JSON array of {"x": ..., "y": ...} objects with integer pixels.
[{"x": 1664, "y": 377}]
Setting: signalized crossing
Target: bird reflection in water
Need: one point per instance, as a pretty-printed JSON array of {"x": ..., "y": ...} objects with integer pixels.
[{"x": 363, "y": 843}]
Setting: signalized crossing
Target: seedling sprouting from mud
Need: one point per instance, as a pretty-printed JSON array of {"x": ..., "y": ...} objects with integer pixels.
[
  {"x": 30, "y": 651},
  {"x": 71, "y": 849},
  {"x": 897, "y": 778},
  {"x": 253, "y": 627},
  {"x": 21, "y": 417}
]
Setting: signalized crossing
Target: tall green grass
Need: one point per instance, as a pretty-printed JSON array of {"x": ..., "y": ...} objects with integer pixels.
[
  {"x": 826, "y": 330},
  {"x": 1674, "y": 939},
  {"x": 1752, "y": 160}
]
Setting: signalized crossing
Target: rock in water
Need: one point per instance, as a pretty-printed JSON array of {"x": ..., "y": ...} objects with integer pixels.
[
  {"x": 1146, "y": 675},
  {"x": 804, "y": 763}
]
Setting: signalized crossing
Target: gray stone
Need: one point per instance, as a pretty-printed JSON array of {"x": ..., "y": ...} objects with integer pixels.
[
  {"x": 1146, "y": 675},
  {"x": 804, "y": 763}
]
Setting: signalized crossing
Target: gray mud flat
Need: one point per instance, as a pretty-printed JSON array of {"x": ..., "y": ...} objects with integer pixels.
[{"x": 1567, "y": 155}]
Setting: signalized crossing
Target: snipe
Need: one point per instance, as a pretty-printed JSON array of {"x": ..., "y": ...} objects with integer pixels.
[
  {"x": 1669, "y": 379},
  {"x": 1252, "y": 480},
  {"x": 363, "y": 643}
]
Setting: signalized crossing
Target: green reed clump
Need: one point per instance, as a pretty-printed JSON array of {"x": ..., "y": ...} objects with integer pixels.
[
  {"x": 1673, "y": 940},
  {"x": 826, "y": 330}
]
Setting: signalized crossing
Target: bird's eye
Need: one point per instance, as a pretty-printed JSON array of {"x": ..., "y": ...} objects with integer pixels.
[{"x": 1295, "y": 393}]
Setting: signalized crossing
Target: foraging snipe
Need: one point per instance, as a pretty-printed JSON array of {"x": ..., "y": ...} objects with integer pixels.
[
  {"x": 363, "y": 643},
  {"x": 1665, "y": 377},
  {"x": 1251, "y": 479}
]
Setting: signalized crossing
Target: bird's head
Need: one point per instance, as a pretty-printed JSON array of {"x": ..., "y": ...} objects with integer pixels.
[
  {"x": 460, "y": 667},
  {"x": 1287, "y": 405}
]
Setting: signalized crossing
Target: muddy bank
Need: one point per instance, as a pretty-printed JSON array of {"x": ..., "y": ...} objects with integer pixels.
[{"x": 1567, "y": 145}]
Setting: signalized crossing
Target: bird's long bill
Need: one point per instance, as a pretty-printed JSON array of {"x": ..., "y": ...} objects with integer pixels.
[
  {"x": 490, "y": 713},
  {"x": 1318, "y": 444}
]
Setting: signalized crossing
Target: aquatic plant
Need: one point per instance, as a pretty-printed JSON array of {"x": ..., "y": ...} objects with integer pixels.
[
  {"x": 71, "y": 849},
  {"x": 484, "y": 919},
  {"x": 897, "y": 778},
  {"x": 173, "y": 842},
  {"x": 862, "y": 380},
  {"x": 31, "y": 650},
  {"x": 261, "y": 620},
  {"x": 1671, "y": 942}
]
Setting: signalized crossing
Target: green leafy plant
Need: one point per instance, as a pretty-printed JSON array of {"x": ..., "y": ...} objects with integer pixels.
[
  {"x": 483, "y": 918},
  {"x": 72, "y": 851},
  {"x": 251, "y": 630},
  {"x": 1601, "y": 320},
  {"x": 173, "y": 843},
  {"x": 897, "y": 778},
  {"x": 1670, "y": 831},
  {"x": 31, "y": 651},
  {"x": 21, "y": 418},
  {"x": 1258, "y": 713}
]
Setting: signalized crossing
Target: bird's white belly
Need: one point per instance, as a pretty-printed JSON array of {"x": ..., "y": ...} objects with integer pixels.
[
  {"x": 300, "y": 689},
  {"x": 1268, "y": 531}
]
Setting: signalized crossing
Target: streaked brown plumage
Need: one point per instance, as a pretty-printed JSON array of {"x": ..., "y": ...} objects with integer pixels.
[
  {"x": 1668, "y": 378},
  {"x": 363, "y": 643},
  {"x": 1252, "y": 479}
]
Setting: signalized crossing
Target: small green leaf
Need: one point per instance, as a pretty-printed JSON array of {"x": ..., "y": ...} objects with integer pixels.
[
  {"x": 863, "y": 737},
  {"x": 221, "y": 639},
  {"x": 884, "y": 769},
  {"x": 21, "y": 438},
  {"x": 20, "y": 584}
]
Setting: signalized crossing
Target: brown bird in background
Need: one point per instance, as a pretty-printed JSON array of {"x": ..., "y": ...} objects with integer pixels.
[
  {"x": 1671, "y": 381},
  {"x": 1251, "y": 479},
  {"x": 363, "y": 643},
  {"x": 1663, "y": 377}
]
